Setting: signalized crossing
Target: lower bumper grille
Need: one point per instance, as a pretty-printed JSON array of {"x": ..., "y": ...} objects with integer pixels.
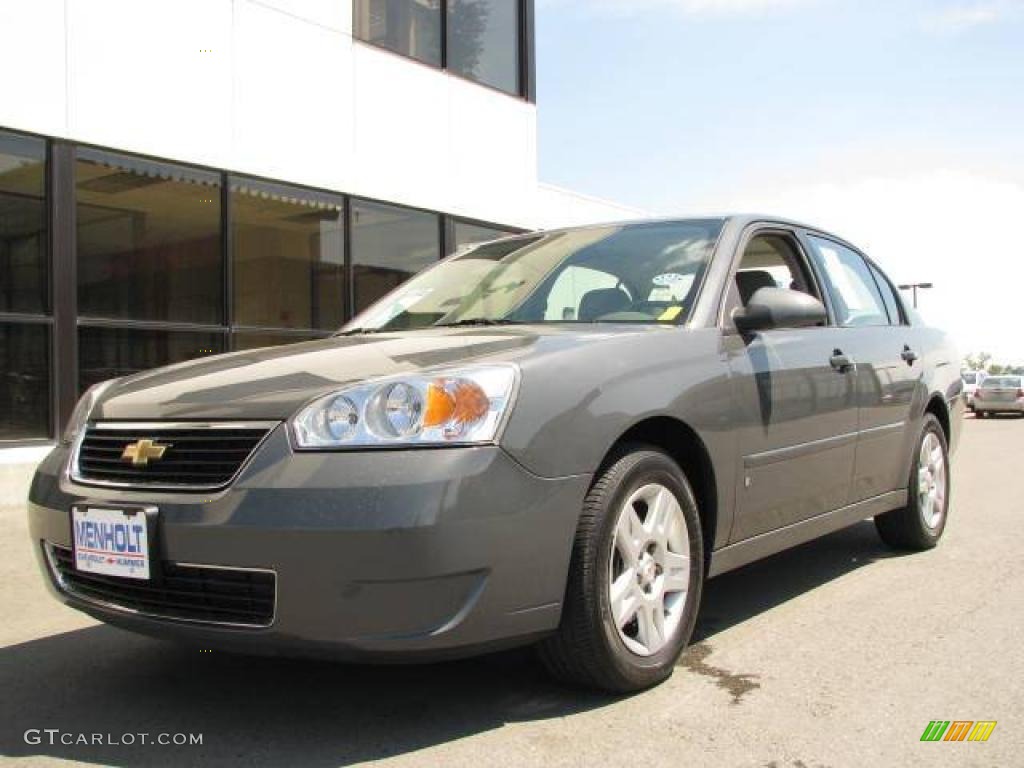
[{"x": 197, "y": 593}]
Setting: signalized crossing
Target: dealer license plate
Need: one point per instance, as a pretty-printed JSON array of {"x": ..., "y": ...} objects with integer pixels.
[{"x": 113, "y": 542}]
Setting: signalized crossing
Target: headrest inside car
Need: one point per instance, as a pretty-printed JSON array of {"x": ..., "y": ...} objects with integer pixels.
[{"x": 602, "y": 301}]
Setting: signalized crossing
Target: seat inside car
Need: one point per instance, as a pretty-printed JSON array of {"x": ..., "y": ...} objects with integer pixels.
[
  {"x": 750, "y": 281},
  {"x": 603, "y": 301}
]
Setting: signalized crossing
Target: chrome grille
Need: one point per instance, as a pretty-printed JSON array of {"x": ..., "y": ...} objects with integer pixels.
[{"x": 195, "y": 456}]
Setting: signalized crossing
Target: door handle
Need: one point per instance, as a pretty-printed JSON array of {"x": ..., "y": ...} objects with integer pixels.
[
  {"x": 840, "y": 362},
  {"x": 908, "y": 355}
]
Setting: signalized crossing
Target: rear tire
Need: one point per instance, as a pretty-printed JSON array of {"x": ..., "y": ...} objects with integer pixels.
[
  {"x": 638, "y": 554},
  {"x": 920, "y": 524}
]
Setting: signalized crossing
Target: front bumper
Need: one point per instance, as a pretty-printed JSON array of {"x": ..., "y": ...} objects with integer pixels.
[{"x": 385, "y": 554}]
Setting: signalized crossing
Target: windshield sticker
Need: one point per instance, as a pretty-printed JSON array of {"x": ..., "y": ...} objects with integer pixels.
[
  {"x": 668, "y": 279},
  {"x": 671, "y": 313}
]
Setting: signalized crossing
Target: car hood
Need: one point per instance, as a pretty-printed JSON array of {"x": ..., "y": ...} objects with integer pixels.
[{"x": 273, "y": 383}]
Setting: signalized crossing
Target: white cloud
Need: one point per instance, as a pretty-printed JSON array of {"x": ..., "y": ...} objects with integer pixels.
[
  {"x": 956, "y": 228},
  {"x": 690, "y": 7},
  {"x": 962, "y": 16}
]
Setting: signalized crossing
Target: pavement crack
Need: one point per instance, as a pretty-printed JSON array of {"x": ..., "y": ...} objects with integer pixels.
[{"x": 738, "y": 685}]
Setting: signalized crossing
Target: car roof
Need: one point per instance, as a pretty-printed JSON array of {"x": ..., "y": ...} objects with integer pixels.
[{"x": 739, "y": 220}]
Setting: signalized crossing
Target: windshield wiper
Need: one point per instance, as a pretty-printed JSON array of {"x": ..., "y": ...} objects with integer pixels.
[
  {"x": 359, "y": 331},
  {"x": 478, "y": 321}
]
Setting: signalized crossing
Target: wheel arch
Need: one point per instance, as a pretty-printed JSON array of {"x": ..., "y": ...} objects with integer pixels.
[
  {"x": 937, "y": 407},
  {"x": 680, "y": 441}
]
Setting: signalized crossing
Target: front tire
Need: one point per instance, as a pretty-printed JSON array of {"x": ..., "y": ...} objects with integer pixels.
[
  {"x": 920, "y": 524},
  {"x": 635, "y": 577}
]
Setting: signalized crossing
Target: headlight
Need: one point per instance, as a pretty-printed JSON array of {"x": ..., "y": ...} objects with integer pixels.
[
  {"x": 80, "y": 416},
  {"x": 448, "y": 407}
]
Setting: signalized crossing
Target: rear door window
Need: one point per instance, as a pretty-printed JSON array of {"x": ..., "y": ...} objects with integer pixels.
[{"x": 854, "y": 291}]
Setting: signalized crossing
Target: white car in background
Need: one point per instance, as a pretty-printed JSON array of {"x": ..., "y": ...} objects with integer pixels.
[
  {"x": 1000, "y": 394},
  {"x": 972, "y": 380}
]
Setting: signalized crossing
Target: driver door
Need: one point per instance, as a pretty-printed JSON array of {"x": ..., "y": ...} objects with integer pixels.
[{"x": 796, "y": 406}]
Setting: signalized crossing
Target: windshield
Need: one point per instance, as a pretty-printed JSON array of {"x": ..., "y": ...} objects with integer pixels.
[
  {"x": 634, "y": 273},
  {"x": 970, "y": 378}
]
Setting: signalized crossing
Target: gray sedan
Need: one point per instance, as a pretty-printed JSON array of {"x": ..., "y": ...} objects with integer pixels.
[{"x": 550, "y": 439}]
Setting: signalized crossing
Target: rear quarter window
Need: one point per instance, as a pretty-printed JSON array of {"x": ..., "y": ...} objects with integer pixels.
[{"x": 889, "y": 296}]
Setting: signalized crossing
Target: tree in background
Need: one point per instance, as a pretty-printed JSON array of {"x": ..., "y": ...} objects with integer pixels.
[
  {"x": 977, "y": 362},
  {"x": 467, "y": 23},
  {"x": 983, "y": 362}
]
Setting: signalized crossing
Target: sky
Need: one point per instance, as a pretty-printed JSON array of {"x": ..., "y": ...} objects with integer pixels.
[{"x": 897, "y": 125}]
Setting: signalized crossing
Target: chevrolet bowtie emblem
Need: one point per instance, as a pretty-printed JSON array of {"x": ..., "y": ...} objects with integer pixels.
[{"x": 139, "y": 453}]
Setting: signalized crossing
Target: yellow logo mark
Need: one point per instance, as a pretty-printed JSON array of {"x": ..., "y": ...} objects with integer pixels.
[
  {"x": 982, "y": 730},
  {"x": 141, "y": 452}
]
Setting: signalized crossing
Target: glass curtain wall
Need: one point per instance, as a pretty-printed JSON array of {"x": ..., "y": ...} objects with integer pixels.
[
  {"x": 466, "y": 233},
  {"x": 25, "y": 316},
  {"x": 150, "y": 260},
  {"x": 482, "y": 39},
  {"x": 171, "y": 266},
  {"x": 288, "y": 261},
  {"x": 483, "y": 42},
  {"x": 389, "y": 245},
  {"x": 409, "y": 27}
]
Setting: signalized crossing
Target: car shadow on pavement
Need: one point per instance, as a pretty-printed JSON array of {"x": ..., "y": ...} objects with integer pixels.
[
  {"x": 739, "y": 595},
  {"x": 101, "y": 680}
]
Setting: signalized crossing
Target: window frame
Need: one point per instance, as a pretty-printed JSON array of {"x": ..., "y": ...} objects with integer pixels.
[{"x": 725, "y": 308}]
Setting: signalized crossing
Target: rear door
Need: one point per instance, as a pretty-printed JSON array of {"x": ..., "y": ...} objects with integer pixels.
[
  {"x": 875, "y": 334},
  {"x": 796, "y": 413}
]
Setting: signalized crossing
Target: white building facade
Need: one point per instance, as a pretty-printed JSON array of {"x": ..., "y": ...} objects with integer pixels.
[{"x": 186, "y": 177}]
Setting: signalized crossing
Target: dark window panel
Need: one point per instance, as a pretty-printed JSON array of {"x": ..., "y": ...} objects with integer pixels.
[
  {"x": 468, "y": 234},
  {"x": 288, "y": 257},
  {"x": 24, "y": 269},
  {"x": 149, "y": 243},
  {"x": 389, "y": 245},
  {"x": 409, "y": 27},
  {"x": 256, "y": 339},
  {"x": 24, "y": 381},
  {"x": 483, "y": 41},
  {"x": 106, "y": 353}
]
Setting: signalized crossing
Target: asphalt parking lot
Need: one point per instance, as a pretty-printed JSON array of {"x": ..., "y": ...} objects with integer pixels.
[{"x": 837, "y": 653}]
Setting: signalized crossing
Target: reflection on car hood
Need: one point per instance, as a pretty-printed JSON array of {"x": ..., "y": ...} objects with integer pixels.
[{"x": 273, "y": 383}]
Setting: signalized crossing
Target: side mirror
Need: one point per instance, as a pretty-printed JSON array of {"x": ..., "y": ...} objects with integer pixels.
[{"x": 779, "y": 308}]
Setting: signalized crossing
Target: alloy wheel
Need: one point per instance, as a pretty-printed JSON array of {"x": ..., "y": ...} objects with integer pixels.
[
  {"x": 649, "y": 569},
  {"x": 931, "y": 481}
]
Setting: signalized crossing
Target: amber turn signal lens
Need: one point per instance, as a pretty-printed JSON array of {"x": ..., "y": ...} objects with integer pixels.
[
  {"x": 440, "y": 406},
  {"x": 460, "y": 402}
]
